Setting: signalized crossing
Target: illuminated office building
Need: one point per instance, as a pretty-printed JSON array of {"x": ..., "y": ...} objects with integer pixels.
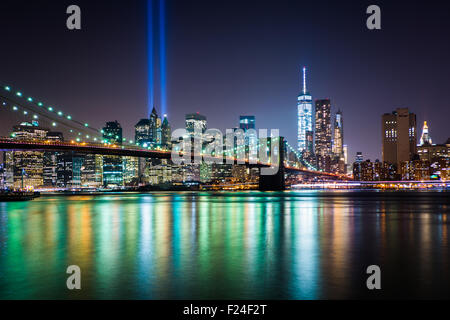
[
  {"x": 305, "y": 121},
  {"x": 112, "y": 165},
  {"x": 25, "y": 169},
  {"x": 399, "y": 137},
  {"x": 166, "y": 133},
  {"x": 338, "y": 161},
  {"x": 92, "y": 171},
  {"x": 142, "y": 133},
  {"x": 130, "y": 171},
  {"x": 155, "y": 133},
  {"x": 425, "y": 137},
  {"x": 195, "y": 125},
  {"x": 323, "y": 149},
  {"x": 50, "y": 174},
  {"x": 2, "y": 171},
  {"x": 246, "y": 122},
  {"x": 338, "y": 140}
]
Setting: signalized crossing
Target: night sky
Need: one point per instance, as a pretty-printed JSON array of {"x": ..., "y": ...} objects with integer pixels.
[{"x": 231, "y": 57}]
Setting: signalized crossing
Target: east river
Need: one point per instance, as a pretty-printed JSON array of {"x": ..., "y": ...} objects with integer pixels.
[{"x": 227, "y": 245}]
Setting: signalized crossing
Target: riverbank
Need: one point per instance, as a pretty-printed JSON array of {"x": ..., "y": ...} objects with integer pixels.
[{"x": 18, "y": 196}]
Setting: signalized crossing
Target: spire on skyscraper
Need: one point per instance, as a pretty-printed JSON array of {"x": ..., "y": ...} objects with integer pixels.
[
  {"x": 304, "y": 80},
  {"x": 425, "y": 138}
]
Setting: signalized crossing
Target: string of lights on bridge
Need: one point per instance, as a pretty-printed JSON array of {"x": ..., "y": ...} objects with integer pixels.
[{"x": 96, "y": 135}]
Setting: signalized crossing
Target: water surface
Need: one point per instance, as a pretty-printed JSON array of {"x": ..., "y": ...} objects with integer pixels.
[{"x": 246, "y": 245}]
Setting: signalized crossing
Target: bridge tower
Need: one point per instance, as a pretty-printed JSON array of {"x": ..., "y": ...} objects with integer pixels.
[{"x": 274, "y": 182}]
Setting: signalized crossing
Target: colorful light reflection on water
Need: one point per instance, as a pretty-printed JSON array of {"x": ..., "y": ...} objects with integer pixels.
[{"x": 292, "y": 245}]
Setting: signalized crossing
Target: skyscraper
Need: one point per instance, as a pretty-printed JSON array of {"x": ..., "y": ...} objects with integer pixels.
[
  {"x": 166, "y": 133},
  {"x": 195, "y": 124},
  {"x": 51, "y": 161},
  {"x": 155, "y": 128},
  {"x": 338, "y": 141},
  {"x": 323, "y": 134},
  {"x": 305, "y": 119},
  {"x": 112, "y": 133},
  {"x": 142, "y": 133},
  {"x": 112, "y": 165},
  {"x": 26, "y": 168},
  {"x": 338, "y": 162},
  {"x": 399, "y": 136},
  {"x": 425, "y": 137}
]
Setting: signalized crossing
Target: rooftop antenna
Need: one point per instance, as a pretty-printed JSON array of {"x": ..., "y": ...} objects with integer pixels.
[{"x": 304, "y": 80}]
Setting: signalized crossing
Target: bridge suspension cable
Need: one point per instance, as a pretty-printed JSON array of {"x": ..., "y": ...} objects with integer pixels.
[{"x": 36, "y": 109}]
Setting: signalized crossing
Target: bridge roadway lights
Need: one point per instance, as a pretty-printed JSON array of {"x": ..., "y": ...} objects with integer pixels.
[{"x": 274, "y": 182}]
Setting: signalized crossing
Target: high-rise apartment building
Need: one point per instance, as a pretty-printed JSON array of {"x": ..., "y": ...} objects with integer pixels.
[
  {"x": 399, "y": 136},
  {"x": 323, "y": 137}
]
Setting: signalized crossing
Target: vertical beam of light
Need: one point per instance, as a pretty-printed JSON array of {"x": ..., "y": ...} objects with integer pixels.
[
  {"x": 162, "y": 55},
  {"x": 150, "y": 84}
]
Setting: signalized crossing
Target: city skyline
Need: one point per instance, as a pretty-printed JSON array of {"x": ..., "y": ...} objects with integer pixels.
[
  {"x": 266, "y": 91},
  {"x": 207, "y": 154}
]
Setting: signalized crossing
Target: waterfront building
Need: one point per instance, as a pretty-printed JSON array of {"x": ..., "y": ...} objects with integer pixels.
[
  {"x": 323, "y": 138},
  {"x": 77, "y": 165},
  {"x": 158, "y": 172},
  {"x": 221, "y": 172},
  {"x": 64, "y": 173},
  {"x": 112, "y": 165},
  {"x": 26, "y": 168},
  {"x": 399, "y": 136},
  {"x": 373, "y": 171},
  {"x": 305, "y": 116},
  {"x": 416, "y": 170},
  {"x": 50, "y": 161},
  {"x": 206, "y": 173},
  {"x": 240, "y": 174},
  {"x": 345, "y": 150},
  {"x": 130, "y": 171},
  {"x": 2, "y": 172},
  {"x": 92, "y": 171}
]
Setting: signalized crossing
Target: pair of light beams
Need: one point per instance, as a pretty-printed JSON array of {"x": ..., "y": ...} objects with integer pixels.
[{"x": 151, "y": 54}]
